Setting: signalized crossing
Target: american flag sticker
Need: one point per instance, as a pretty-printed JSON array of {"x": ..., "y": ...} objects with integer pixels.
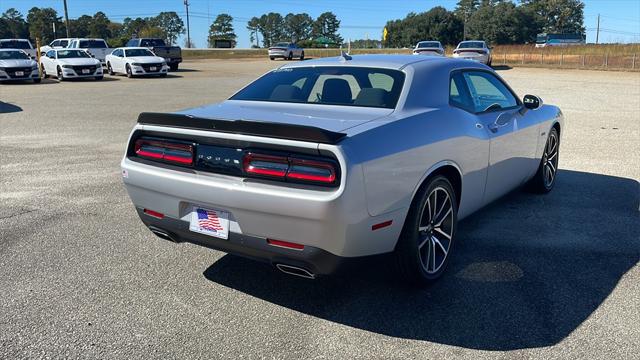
[{"x": 210, "y": 222}]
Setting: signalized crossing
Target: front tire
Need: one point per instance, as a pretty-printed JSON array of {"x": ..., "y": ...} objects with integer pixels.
[
  {"x": 37, "y": 81},
  {"x": 545, "y": 178},
  {"x": 60, "y": 74},
  {"x": 110, "y": 69},
  {"x": 129, "y": 73},
  {"x": 302, "y": 56},
  {"x": 290, "y": 57},
  {"x": 173, "y": 67},
  {"x": 426, "y": 241},
  {"x": 98, "y": 78}
]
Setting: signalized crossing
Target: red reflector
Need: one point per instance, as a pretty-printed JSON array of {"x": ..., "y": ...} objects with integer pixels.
[
  {"x": 285, "y": 244},
  {"x": 155, "y": 214},
  {"x": 381, "y": 225}
]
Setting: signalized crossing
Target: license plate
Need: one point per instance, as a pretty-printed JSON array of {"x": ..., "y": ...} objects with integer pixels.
[
  {"x": 210, "y": 222},
  {"x": 19, "y": 73},
  {"x": 152, "y": 68},
  {"x": 86, "y": 71}
]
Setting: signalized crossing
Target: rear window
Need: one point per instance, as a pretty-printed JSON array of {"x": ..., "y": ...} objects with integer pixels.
[
  {"x": 328, "y": 85},
  {"x": 152, "y": 42},
  {"x": 92, "y": 44},
  {"x": 428, "y": 44},
  {"x": 471, "y": 45},
  {"x": 15, "y": 44}
]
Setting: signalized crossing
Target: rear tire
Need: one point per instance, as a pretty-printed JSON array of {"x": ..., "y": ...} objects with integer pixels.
[
  {"x": 426, "y": 241},
  {"x": 290, "y": 57},
  {"x": 302, "y": 56},
  {"x": 271, "y": 58},
  {"x": 545, "y": 178}
]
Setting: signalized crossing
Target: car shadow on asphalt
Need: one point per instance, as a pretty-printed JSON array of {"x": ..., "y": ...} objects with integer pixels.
[
  {"x": 6, "y": 108},
  {"x": 526, "y": 272}
]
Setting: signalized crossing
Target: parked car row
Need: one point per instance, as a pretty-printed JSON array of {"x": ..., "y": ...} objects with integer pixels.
[
  {"x": 476, "y": 50},
  {"x": 74, "y": 63}
]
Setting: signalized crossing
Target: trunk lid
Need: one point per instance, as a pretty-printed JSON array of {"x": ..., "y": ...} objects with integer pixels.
[{"x": 328, "y": 117}]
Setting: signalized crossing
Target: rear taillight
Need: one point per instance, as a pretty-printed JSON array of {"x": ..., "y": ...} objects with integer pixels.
[
  {"x": 290, "y": 168},
  {"x": 168, "y": 151},
  {"x": 267, "y": 165}
]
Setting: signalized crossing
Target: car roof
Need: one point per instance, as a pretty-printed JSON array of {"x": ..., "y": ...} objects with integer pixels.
[
  {"x": 14, "y": 40},
  {"x": 9, "y": 49},
  {"x": 133, "y": 47},
  {"x": 397, "y": 62}
]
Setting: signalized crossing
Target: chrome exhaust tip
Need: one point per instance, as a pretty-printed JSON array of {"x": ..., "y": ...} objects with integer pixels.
[
  {"x": 162, "y": 234},
  {"x": 296, "y": 271}
]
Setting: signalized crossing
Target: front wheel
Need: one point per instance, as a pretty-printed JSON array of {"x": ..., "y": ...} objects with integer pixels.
[
  {"x": 290, "y": 57},
  {"x": 60, "y": 74},
  {"x": 302, "y": 56},
  {"x": 129, "y": 73},
  {"x": 427, "y": 238},
  {"x": 545, "y": 178},
  {"x": 173, "y": 67},
  {"x": 99, "y": 78},
  {"x": 110, "y": 69},
  {"x": 37, "y": 81}
]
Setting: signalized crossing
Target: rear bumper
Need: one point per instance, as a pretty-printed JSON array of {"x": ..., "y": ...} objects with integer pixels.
[
  {"x": 484, "y": 59},
  {"x": 333, "y": 220},
  {"x": 313, "y": 259}
]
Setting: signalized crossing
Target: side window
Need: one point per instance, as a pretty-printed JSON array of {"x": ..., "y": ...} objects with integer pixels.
[
  {"x": 487, "y": 92},
  {"x": 51, "y": 54},
  {"x": 459, "y": 93},
  {"x": 131, "y": 43}
]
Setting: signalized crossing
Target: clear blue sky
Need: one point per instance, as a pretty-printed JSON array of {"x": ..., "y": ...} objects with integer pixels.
[{"x": 620, "y": 19}]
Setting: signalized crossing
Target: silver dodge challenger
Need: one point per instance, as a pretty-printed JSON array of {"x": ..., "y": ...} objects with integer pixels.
[{"x": 320, "y": 162}]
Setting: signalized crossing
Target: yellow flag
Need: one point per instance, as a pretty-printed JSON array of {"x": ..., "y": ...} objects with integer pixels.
[{"x": 384, "y": 34}]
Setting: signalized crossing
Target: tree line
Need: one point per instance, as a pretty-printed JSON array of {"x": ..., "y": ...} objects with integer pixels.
[
  {"x": 41, "y": 22},
  {"x": 495, "y": 21}
]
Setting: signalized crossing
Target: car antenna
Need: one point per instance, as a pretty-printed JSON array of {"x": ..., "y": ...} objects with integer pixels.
[{"x": 344, "y": 56}]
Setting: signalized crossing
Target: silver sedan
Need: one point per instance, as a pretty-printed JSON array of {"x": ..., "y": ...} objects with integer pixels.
[{"x": 317, "y": 163}]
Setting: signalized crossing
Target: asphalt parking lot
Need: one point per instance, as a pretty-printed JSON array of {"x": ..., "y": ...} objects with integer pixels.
[{"x": 553, "y": 276}]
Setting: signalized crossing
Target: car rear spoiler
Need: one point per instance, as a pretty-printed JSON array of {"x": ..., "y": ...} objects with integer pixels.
[{"x": 258, "y": 128}]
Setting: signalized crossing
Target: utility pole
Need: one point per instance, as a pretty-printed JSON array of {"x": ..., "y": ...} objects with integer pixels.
[
  {"x": 598, "y": 30},
  {"x": 66, "y": 17},
  {"x": 186, "y": 5}
]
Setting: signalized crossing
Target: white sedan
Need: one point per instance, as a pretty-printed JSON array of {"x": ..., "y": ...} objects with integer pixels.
[
  {"x": 135, "y": 61},
  {"x": 475, "y": 50},
  {"x": 15, "y": 64},
  {"x": 70, "y": 64}
]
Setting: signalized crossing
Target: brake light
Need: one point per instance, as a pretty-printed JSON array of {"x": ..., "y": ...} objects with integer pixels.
[
  {"x": 268, "y": 165},
  {"x": 164, "y": 150},
  {"x": 290, "y": 168},
  {"x": 311, "y": 170}
]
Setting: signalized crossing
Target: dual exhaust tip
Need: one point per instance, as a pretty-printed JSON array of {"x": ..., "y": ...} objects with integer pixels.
[{"x": 287, "y": 269}]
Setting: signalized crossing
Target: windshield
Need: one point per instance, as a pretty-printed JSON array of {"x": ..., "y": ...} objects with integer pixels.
[
  {"x": 471, "y": 45},
  {"x": 327, "y": 85},
  {"x": 92, "y": 44},
  {"x": 428, "y": 44},
  {"x": 138, "y": 52},
  {"x": 13, "y": 55},
  {"x": 63, "y": 43},
  {"x": 15, "y": 44},
  {"x": 68, "y": 54},
  {"x": 152, "y": 42}
]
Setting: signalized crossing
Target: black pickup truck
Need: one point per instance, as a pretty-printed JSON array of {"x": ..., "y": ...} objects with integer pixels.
[{"x": 171, "y": 54}]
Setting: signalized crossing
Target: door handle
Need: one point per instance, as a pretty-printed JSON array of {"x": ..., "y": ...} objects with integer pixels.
[{"x": 501, "y": 121}]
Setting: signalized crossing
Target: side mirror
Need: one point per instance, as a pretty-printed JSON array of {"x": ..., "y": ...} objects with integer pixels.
[{"x": 531, "y": 102}]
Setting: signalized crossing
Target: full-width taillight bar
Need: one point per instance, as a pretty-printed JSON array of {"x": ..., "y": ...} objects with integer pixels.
[
  {"x": 291, "y": 168},
  {"x": 164, "y": 150}
]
